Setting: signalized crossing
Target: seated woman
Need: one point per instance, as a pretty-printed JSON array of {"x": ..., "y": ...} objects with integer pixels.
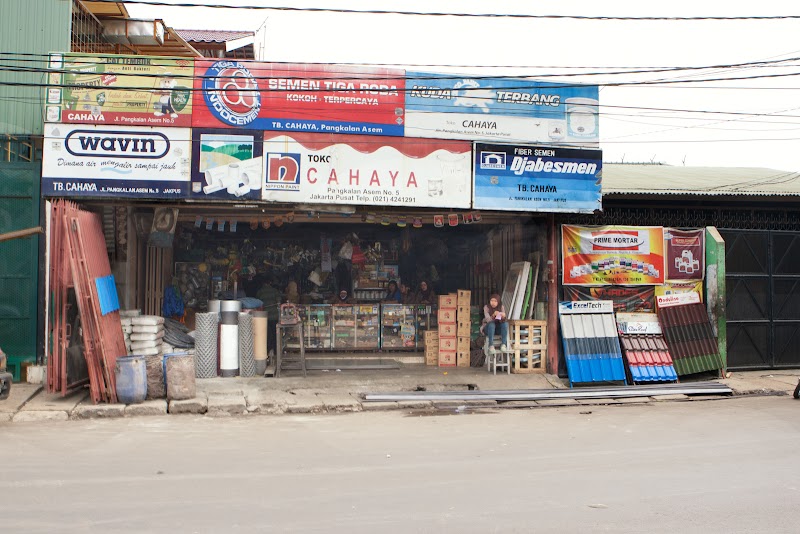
[
  {"x": 494, "y": 318},
  {"x": 425, "y": 294},
  {"x": 393, "y": 295}
]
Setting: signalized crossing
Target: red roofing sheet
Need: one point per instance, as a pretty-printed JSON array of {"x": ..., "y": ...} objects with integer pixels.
[{"x": 212, "y": 36}]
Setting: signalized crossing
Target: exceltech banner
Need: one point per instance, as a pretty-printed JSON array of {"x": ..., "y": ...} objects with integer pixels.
[
  {"x": 501, "y": 110},
  {"x": 532, "y": 178},
  {"x": 621, "y": 255},
  {"x": 299, "y": 97},
  {"x": 356, "y": 169},
  {"x": 115, "y": 161},
  {"x": 120, "y": 90},
  {"x": 625, "y": 299}
]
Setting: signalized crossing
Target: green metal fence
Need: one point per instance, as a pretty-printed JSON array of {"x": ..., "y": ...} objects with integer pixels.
[{"x": 19, "y": 262}]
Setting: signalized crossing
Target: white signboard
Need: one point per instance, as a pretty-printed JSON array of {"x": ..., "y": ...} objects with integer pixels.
[
  {"x": 362, "y": 170},
  {"x": 586, "y": 306},
  {"x": 116, "y": 161},
  {"x": 678, "y": 299}
]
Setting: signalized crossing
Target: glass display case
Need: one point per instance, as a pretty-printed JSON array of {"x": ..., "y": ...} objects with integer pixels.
[
  {"x": 290, "y": 339},
  {"x": 343, "y": 330},
  {"x": 317, "y": 326},
  {"x": 368, "y": 328},
  {"x": 398, "y": 327}
]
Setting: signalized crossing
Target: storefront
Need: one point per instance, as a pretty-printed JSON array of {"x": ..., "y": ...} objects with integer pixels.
[{"x": 319, "y": 186}]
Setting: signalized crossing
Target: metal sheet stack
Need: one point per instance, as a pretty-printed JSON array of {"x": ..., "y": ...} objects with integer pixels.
[
  {"x": 206, "y": 344},
  {"x": 247, "y": 363},
  {"x": 591, "y": 345},
  {"x": 147, "y": 334},
  {"x": 688, "y": 332}
]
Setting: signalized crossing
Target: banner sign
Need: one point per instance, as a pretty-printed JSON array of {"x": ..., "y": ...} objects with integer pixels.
[
  {"x": 685, "y": 252},
  {"x": 115, "y": 161},
  {"x": 625, "y": 299},
  {"x": 299, "y": 97},
  {"x": 351, "y": 169},
  {"x": 501, "y": 110},
  {"x": 531, "y": 178},
  {"x": 622, "y": 255},
  {"x": 638, "y": 323},
  {"x": 673, "y": 288},
  {"x": 120, "y": 90},
  {"x": 600, "y": 306},
  {"x": 227, "y": 164},
  {"x": 678, "y": 299}
]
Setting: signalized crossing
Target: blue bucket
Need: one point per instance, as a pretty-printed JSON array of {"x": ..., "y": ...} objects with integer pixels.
[{"x": 131, "y": 375}]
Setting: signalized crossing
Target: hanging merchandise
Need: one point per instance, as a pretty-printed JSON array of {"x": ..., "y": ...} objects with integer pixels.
[
  {"x": 370, "y": 218},
  {"x": 468, "y": 219},
  {"x": 290, "y": 217},
  {"x": 346, "y": 252},
  {"x": 279, "y": 220},
  {"x": 385, "y": 220},
  {"x": 198, "y": 221},
  {"x": 358, "y": 257},
  {"x": 162, "y": 232},
  {"x": 210, "y": 224},
  {"x": 452, "y": 219},
  {"x": 325, "y": 245},
  {"x": 401, "y": 222},
  {"x": 173, "y": 303},
  {"x": 233, "y": 226},
  {"x": 220, "y": 225},
  {"x": 438, "y": 221},
  {"x": 417, "y": 222},
  {"x": 254, "y": 225},
  {"x": 265, "y": 224},
  {"x": 476, "y": 216}
]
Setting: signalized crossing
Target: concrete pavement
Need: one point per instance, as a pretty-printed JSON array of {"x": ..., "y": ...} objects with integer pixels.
[{"x": 337, "y": 392}]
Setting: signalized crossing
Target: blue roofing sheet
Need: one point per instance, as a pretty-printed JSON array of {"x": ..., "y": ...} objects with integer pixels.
[
  {"x": 107, "y": 294},
  {"x": 591, "y": 348}
]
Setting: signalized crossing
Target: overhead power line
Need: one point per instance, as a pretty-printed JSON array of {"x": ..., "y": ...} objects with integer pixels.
[{"x": 163, "y": 3}]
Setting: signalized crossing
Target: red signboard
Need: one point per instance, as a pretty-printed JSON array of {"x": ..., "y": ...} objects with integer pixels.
[{"x": 299, "y": 97}]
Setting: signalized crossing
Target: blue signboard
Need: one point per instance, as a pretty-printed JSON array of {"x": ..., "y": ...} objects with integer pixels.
[
  {"x": 537, "y": 178},
  {"x": 501, "y": 110}
]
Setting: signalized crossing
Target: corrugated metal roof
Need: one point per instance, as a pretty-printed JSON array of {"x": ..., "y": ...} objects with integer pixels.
[
  {"x": 591, "y": 348},
  {"x": 620, "y": 179},
  {"x": 212, "y": 36},
  {"x": 691, "y": 341},
  {"x": 648, "y": 357}
]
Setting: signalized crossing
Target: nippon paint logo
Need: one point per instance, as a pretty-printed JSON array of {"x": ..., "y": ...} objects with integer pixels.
[
  {"x": 493, "y": 160},
  {"x": 117, "y": 144},
  {"x": 231, "y": 93},
  {"x": 283, "y": 172}
]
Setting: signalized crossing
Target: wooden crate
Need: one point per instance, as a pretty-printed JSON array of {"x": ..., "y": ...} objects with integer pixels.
[{"x": 528, "y": 340}]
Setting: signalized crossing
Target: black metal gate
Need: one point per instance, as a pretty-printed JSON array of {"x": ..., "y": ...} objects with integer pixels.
[{"x": 762, "y": 298}]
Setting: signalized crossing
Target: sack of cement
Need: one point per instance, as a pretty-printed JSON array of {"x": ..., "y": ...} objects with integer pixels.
[
  {"x": 125, "y": 321},
  {"x": 150, "y": 320},
  {"x": 148, "y": 351},
  {"x": 147, "y": 329},
  {"x": 130, "y": 313},
  {"x": 147, "y": 337},
  {"x": 137, "y": 345}
]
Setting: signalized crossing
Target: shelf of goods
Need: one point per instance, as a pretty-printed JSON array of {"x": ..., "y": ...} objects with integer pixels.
[
  {"x": 398, "y": 327},
  {"x": 356, "y": 326}
]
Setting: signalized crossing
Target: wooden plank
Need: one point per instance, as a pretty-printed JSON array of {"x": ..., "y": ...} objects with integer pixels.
[{"x": 21, "y": 233}]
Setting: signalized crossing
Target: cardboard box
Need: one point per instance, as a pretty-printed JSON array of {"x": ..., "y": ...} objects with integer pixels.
[
  {"x": 447, "y": 315},
  {"x": 431, "y": 334},
  {"x": 464, "y": 297},
  {"x": 432, "y": 357},
  {"x": 447, "y": 358},
  {"x": 462, "y": 345},
  {"x": 448, "y": 343},
  {"x": 462, "y": 358},
  {"x": 448, "y": 301},
  {"x": 464, "y": 328},
  {"x": 448, "y": 330},
  {"x": 463, "y": 313}
]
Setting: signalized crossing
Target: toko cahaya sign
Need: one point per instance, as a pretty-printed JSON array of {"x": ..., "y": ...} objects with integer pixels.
[
  {"x": 350, "y": 169},
  {"x": 119, "y": 90},
  {"x": 623, "y": 255},
  {"x": 537, "y": 178},
  {"x": 501, "y": 110},
  {"x": 115, "y": 161},
  {"x": 299, "y": 97}
]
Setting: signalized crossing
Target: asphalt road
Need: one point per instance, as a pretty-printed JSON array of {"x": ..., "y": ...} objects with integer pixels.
[{"x": 728, "y": 465}]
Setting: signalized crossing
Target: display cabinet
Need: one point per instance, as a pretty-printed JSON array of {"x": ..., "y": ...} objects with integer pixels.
[
  {"x": 398, "y": 327},
  {"x": 343, "y": 329},
  {"x": 317, "y": 320},
  {"x": 368, "y": 330}
]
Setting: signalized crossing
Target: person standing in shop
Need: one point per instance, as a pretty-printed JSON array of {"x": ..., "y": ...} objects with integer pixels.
[
  {"x": 393, "y": 295},
  {"x": 495, "y": 318},
  {"x": 342, "y": 298}
]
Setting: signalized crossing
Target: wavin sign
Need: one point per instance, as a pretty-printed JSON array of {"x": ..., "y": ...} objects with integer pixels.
[
  {"x": 231, "y": 93},
  {"x": 117, "y": 144}
]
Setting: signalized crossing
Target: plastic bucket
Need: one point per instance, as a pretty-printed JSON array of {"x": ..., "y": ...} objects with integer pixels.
[{"x": 131, "y": 376}]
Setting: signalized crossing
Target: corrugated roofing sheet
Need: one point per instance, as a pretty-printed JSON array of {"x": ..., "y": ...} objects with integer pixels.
[
  {"x": 648, "y": 358},
  {"x": 620, "y": 179},
  {"x": 591, "y": 348},
  {"x": 212, "y": 36},
  {"x": 690, "y": 338}
]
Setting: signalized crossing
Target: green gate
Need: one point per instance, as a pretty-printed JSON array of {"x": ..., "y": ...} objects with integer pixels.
[{"x": 19, "y": 263}]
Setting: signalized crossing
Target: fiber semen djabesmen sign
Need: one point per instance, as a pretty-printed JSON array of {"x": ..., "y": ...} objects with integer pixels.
[
  {"x": 537, "y": 178},
  {"x": 354, "y": 169},
  {"x": 115, "y": 161}
]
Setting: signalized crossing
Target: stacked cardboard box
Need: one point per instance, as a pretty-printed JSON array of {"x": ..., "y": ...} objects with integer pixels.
[
  {"x": 431, "y": 347},
  {"x": 463, "y": 298},
  {"x": 448, "y": 341}
]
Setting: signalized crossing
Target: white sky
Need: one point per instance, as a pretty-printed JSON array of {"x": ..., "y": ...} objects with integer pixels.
[{"x": 632, "y": 135}]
